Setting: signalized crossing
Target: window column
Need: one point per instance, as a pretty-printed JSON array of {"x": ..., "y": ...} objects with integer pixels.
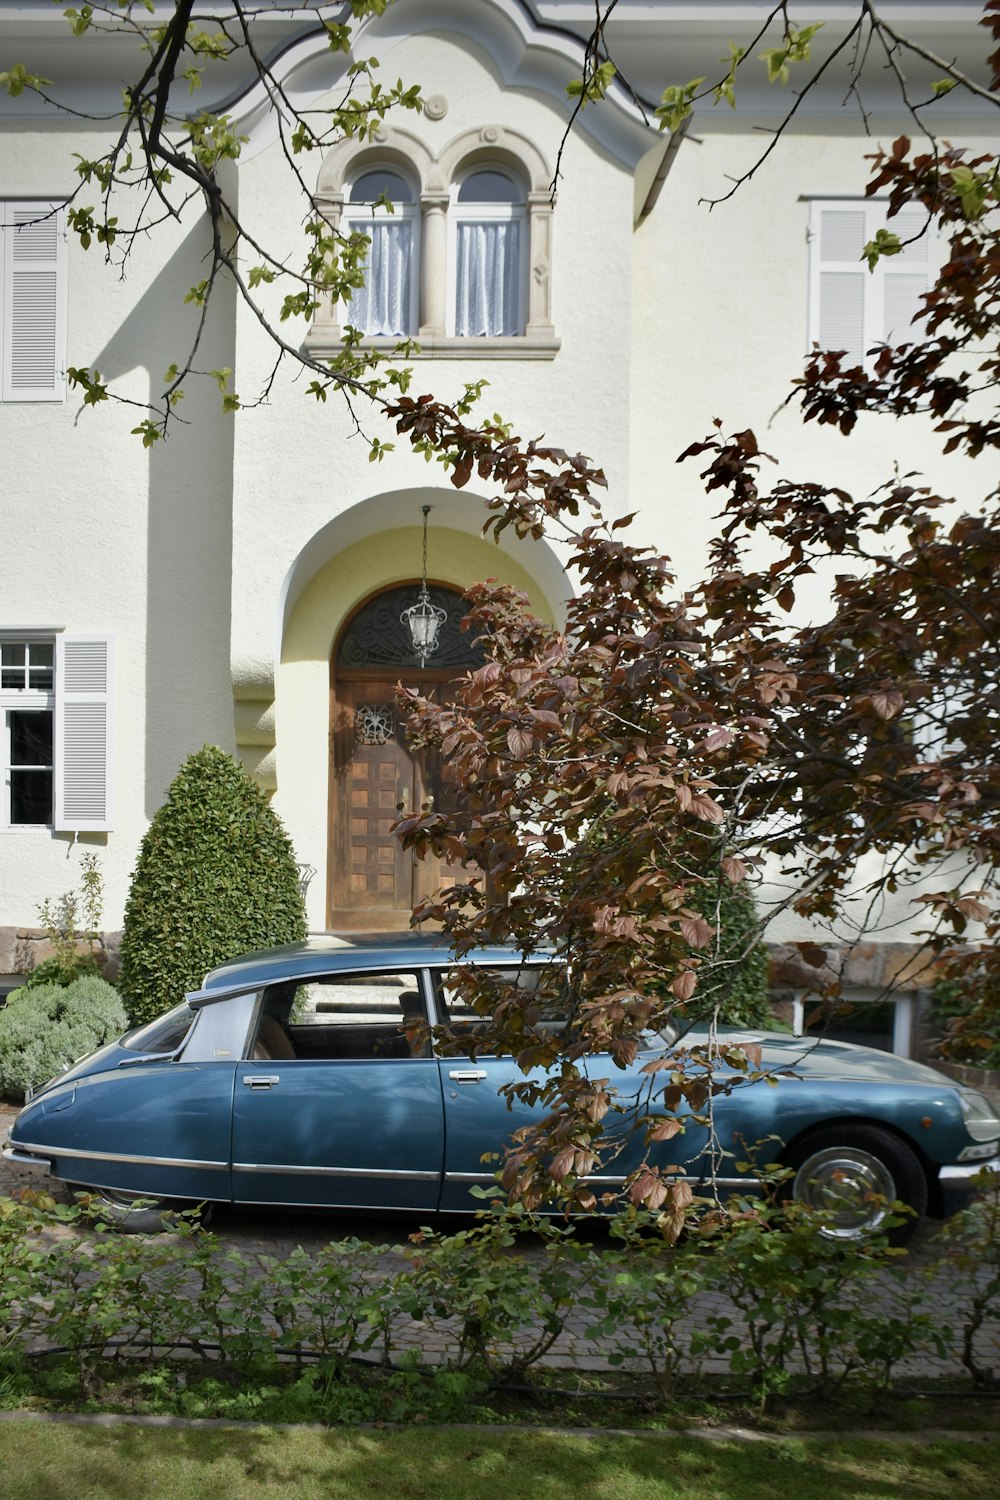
[
  {"x": 540, "y": 265},
  {"x": 433, "y": 279}
]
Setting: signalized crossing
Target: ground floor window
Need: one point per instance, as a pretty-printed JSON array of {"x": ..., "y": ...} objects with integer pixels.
[
  {"x": 27, "y": 698},
  {"x": 55, "y": 731}
]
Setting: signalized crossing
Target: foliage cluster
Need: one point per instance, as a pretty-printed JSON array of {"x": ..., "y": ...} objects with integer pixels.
[
  {"x": 72, "y": 925},
  {"x": 758, "y": 1289},
  {"x": 966, "y": 1006},
  {"x": 216, "y": 876},
  {"x": 46, "y": 1028}
]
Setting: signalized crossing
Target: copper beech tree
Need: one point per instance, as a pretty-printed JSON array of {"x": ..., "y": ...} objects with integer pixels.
[{"x": 658, "y": 744}]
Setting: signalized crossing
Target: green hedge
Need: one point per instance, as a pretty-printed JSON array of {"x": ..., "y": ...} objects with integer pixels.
[
  {"x": 216, "y": 877},
  {"x": 758, "y": 1292},
  {"x": 46, "y": 1028}
]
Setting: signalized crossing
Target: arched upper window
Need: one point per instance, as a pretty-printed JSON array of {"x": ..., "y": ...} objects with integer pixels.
[
  {"x": 382, "y": 205},
  {"x": 452, "y": 237},
  {"x": 489, "y": 254}
]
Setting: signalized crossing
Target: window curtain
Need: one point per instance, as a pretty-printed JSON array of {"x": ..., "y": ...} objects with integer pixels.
[
  {"x": 487, "y": 279},
  {"x": 382, "y": 305}
]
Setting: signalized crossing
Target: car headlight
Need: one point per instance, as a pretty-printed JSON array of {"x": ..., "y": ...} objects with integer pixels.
[{"x": 981, "y": 1118}]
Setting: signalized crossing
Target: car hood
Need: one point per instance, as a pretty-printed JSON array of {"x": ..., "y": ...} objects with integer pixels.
[{"x": 810, "y": 1058}]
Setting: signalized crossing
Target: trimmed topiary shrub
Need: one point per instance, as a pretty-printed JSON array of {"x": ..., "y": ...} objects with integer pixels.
[
  {"x": 215, "y": 877},
  {"x": 738, "y": 981},
  {"x": 45, "y": 1029}
]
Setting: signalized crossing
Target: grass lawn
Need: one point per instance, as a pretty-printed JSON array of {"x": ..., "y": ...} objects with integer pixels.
[{"x": 49, "y": 1461}]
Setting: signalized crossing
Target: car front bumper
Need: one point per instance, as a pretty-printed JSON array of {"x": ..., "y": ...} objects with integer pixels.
[
  {"x": 11, "y": 1151},
  {"x": 961, "y": 1183}
]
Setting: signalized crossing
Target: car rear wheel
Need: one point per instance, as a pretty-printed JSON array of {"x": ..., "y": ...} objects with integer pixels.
[
  {"x": 853, "y": 1174},
  {"x": 138, "y": 1213}
]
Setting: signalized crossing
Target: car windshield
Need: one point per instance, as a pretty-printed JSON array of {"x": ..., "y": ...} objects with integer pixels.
[{"x": 165, "y": 1034}]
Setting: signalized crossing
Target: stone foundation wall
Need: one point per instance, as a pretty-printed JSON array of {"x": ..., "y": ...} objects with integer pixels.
[{"x": 24, "y": 948}]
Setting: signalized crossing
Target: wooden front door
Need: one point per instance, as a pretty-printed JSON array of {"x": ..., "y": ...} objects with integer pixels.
[{"x": 376, "y": 775}]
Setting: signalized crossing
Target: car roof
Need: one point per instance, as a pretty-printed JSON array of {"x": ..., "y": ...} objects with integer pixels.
[{"x": 330, "y": 953}]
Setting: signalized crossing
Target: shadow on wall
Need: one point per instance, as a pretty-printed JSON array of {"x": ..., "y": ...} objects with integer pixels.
[{"x": 188, "y": 691}]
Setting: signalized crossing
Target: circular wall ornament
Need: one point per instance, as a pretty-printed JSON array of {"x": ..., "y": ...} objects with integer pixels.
[{"x": 436, "y": 107}]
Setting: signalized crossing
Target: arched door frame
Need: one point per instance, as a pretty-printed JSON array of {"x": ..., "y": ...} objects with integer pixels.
[{"x": 347, "y": 685}]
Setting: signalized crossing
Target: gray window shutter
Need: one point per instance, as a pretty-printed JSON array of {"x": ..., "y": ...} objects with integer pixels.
[
  {"x": 33, "y": 317},
  {"x": 906, "y": 276},
  {"x": 839, "y": 290},
  {"x": 84, "y": 733}
]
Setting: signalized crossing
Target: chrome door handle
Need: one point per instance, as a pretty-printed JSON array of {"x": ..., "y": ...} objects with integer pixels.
[
  {"x": 467, "y": 1075},
  {"x": 260, "y": 1080}
]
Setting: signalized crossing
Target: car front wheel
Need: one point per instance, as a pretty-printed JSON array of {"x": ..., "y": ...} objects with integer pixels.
[{"x": 852, "y": 1175}]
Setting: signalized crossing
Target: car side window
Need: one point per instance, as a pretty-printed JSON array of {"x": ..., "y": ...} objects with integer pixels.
[
  {"x": 543, "y": 1003},
  {"x": 351, "y": 1016}
]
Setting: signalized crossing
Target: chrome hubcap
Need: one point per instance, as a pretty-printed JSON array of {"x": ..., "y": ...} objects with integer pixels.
[{"x": 851, "y": 1189}]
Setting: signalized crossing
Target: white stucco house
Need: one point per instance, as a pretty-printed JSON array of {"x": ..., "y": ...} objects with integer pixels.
[{"x": 241, "y": 583}]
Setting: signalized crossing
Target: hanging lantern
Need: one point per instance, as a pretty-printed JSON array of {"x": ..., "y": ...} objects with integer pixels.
[{"x": 424, "y": 619}]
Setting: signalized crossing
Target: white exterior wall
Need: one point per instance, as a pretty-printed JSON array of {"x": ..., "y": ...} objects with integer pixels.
[
  {"x": 225, "y": 560},
  {"x": 719, "y": 316},
  {"x": 99, "y": 534}
]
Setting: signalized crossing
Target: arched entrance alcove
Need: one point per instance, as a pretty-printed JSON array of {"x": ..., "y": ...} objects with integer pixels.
[{"x": 327, "y": 674}]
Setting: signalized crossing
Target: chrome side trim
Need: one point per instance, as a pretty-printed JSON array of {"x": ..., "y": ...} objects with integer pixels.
[
  {"x": 363, "y": 1172},
  {"x": 50, "y": 1152},
  {"x": 729, "y": 1184},
  {"x": 460, "y": 1177}
]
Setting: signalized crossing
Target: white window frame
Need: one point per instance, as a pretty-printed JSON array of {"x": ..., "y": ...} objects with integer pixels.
[
  {"x": 82, "y": 705},
  {"x": 23, "y": 700},
  {"x": 33, "y": 295},
  {"x": 360, "y": 218},
  {"x": 487, "y": 213},
  {"x": 922, "y": 258}
]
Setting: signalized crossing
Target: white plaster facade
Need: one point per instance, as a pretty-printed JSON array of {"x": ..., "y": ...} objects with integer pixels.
[{"x": 225, "y": 561}]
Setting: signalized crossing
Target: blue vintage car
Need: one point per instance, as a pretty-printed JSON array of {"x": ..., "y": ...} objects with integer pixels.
[{"x": 303, "y": 1076}]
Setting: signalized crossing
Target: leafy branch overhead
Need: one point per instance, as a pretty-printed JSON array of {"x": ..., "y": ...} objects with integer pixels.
[{"x": 167, "y": 158}]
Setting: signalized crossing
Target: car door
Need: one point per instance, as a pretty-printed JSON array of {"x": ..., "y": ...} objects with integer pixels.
[
  {"x": 479, "y": 1124},
  {"x": 336, "y": 1105}
]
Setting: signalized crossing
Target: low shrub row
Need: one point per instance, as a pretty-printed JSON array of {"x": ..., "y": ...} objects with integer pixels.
[{"x": 756, "y": 1292}]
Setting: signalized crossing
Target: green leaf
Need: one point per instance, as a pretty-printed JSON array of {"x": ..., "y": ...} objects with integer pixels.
[
  {"x": 884, "y": 243},
  {"x": 16, "y": 79},
  {"x": 148, "y": 431},
  {"x": 943, "y": 86},
  {"x": 676, "y": 104},
  {"x": 595, "y": 86}
]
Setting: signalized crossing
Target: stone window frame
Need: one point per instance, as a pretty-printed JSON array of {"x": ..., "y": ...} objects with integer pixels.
[
  {"x": 358, "y": 216},
  {"x": 491, "y": 145}
]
